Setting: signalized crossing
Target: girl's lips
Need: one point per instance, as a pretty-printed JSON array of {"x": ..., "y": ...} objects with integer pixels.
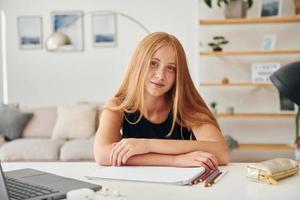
[{"x": 157, "y": 84}]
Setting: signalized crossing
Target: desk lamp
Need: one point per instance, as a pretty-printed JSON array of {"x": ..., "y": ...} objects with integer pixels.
[{"x": 287, "y": 81}]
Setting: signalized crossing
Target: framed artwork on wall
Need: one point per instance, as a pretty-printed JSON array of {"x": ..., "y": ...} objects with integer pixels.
[
  {"x": 68, "y": 24},
  {"x": 270, "y": 8},
  {"x": 30, "y": 32},
  {"x": 104, "y": 30}
]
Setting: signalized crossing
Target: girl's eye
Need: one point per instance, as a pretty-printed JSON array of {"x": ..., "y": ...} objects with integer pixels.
[
  {"x": 171, "y": 68},
  {"x": 154, "y": 64}
]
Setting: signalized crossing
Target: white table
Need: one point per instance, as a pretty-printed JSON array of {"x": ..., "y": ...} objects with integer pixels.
[{"x": 232, "y": 186}]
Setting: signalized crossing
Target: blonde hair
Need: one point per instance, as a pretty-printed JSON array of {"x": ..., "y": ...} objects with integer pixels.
[{"x": 183, "y": 96}]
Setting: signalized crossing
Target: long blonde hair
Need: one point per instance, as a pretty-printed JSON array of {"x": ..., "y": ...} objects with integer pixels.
[{"x": 183, "y": 96}]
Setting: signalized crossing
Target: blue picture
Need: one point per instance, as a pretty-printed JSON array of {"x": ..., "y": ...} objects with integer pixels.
[
  {"x": 30, "y": 32},
  {"x": 104, "y": 30},
  {"x": 70, "y": 24},
  {"x": 270, "y": 8}
]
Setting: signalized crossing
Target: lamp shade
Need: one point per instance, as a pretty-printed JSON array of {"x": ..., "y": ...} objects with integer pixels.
[
  {"x": 56, "y": 40},
  {"x": 287, "y": 81}
]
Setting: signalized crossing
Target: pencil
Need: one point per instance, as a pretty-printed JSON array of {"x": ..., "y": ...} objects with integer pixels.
[
  {"x": 197, "y": 180},
  {"x": 212, "y": 180},
  {"x": 207, "y": 175},
  {"x": 212, "y": 175},
  {"x": 223, "y": 174}
]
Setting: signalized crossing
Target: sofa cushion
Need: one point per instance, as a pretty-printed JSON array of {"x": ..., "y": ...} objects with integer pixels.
[
  {"x": 98, "y": 105},
  {"x": 77, "y": 149},
  {"x": 42, "y": 123},
  {"x": 13, "y": 121},
  {"x": 31, "y": 149},
  {"x": 77, "y": 121}
]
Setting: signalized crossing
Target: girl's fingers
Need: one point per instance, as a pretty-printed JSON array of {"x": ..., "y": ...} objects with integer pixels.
[
  {"x": 121, "y": 155},
  {"x": 126, "y": 157},
  {"x": 115, "y": 152},
  {"x": 207, "y": 162}
]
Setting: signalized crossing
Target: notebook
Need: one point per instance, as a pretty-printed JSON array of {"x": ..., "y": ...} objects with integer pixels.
[{"x": 167, "y": 175}]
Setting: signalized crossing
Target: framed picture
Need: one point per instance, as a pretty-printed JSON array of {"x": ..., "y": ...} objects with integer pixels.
[
  {"x": 104, "y": 30},
  {"x": 270, "y": 8},
  {"x": 286, "y": 105},
  {"x": 30, "y": 32},
  {"x": 70, "y": 24},
  {"x": 261, "y": 72},
  {"x": 269, "y": 42}
]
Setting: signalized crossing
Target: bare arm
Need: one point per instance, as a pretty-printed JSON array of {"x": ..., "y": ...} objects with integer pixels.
[
  {"x": 209, "y": 139},
  {"x": 210, "y": 144},
  {"x": 109, "y": 150}
]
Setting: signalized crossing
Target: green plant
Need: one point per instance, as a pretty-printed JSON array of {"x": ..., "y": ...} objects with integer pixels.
[
  {"x": 225, "y": 2},
  {"x": 218, "y": 41},
  {"x": 213, "y": 105}
]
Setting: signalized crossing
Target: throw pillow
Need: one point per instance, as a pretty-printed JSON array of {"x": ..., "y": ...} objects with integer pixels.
[
  {"x": 12, "y": 121},
  {"x": 42, "y": 123},
  {"x": 77, "y": 121}
]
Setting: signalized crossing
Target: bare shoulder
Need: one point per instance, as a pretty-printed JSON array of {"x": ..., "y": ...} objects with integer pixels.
[{"x": 108, "y": 110}]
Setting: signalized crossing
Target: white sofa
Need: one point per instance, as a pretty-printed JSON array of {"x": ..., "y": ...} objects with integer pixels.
[{"x": 64, "y": 133}]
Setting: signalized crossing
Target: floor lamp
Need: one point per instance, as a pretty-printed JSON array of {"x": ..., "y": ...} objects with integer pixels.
[{"x": 59, "y": 39}]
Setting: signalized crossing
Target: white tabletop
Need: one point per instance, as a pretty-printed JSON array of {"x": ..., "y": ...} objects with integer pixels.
[{"x": 234, "y": 185}]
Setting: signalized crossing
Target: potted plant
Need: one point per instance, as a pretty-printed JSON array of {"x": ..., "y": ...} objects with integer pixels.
[
  {"x": 234, "y": 8},
  {"x": 213, "y": 106},
  {"x": 218, "y": 41}
]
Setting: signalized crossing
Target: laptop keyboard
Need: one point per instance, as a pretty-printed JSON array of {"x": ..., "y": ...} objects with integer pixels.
[{"x": 20, "y": 190}]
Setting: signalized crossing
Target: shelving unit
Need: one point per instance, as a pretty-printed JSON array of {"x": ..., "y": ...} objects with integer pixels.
[
  {"x": 254, "y": 115},
  {"x": 236, "y": 85},
  {"x": 262, "y": 147},
  {"x": 249, "y": 53},
  {"x": 266, "y": 20},
  {"x": 279, "y": 52}
]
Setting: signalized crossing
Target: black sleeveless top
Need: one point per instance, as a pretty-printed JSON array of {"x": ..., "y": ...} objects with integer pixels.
[{"x": 146, "y": 129}]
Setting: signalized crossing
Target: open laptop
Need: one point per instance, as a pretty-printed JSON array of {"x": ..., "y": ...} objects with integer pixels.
[{"x": 37, "y": 185}]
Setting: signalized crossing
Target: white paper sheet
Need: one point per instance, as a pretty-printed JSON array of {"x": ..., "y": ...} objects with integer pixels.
[{"x": 169, "y": 175}]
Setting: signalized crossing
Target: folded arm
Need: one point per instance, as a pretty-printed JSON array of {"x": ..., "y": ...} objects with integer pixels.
[{"x": 209, "y": 149}]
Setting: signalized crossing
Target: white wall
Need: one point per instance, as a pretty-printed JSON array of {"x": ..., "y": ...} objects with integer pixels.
[
  {"x": 39, "y": 77},
  {"x": 238, "y": 69},
  {"x": 1, "y": 93}
]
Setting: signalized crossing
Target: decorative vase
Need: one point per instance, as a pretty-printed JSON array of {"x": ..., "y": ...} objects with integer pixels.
[
  {"x": 297, "y": 7},
  {"x": 236, "y": 9}
]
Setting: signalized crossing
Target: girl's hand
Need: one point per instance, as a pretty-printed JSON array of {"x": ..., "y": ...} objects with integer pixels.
[
  {"x": 127, "y": 148},
  {"x": 197, "y": 158}
]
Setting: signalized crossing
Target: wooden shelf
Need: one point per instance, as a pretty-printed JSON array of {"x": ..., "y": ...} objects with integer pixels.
[
  {"x": 264, "y": 147},
  {"x": 255, "y": 115},
  {"x": 264, "y": 20},
  {"x": 236, "y": 85},
  {"x": 248, "y": 53}
]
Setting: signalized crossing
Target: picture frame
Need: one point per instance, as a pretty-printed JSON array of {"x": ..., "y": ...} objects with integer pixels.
[
  {"x": 261, "y": 72},
  {"x": 269, "y": 42},
  {"x": 104, "y": 30},
  {"x": 70, "y": 23},
  {"x": 30, "y": 32},
  {"x": 270, "y": 8}
]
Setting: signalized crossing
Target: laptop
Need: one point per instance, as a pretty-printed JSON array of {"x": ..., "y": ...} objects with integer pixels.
[{"x": 37, "y": 185}]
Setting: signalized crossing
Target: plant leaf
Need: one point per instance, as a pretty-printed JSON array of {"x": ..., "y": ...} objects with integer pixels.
[{"x": 208, "y": 3}]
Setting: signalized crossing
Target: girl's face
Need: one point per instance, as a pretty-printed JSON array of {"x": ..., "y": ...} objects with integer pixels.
[{"x": 162, "y": 72}]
